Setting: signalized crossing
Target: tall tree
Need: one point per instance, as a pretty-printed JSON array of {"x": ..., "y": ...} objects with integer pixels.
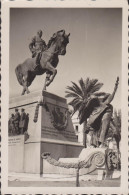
[
  {"x": 115, "y": 131},
  {"x": 80, "y": 94},
  {"x": 115, "y": 127}
]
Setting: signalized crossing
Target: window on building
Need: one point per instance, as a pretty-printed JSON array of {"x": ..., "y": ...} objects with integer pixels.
[{"x": 76, "y": 128}]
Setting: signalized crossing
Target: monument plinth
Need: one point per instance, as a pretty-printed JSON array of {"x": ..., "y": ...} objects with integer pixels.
[
  {"x": 52, "y": 131},
  {"x": 16, "y": 153}
]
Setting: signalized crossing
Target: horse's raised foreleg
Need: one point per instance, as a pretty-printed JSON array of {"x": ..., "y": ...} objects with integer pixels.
[
  {"x": 53, "y": 71},
  {"x": 27, "y": 90},
  {"x": 46, "y": 80},
  {"x": 23, "y": 91},
  {"x": 25, "y": 87}
]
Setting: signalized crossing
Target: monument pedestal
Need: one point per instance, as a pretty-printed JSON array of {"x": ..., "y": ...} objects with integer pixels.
[
  {"x": 53, "y": 132},
  {"x": 90, "y": 161},
  {"x": 16, "y": 153}
]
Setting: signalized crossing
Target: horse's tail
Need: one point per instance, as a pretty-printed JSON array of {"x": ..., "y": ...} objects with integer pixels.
[{"x": 19, "y": 74}]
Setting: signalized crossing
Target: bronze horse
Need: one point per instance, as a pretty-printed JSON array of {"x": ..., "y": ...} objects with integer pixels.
[{"x": 26, "y": 72}]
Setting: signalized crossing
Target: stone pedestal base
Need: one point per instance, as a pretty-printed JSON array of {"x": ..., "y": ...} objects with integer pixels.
[
  {"x": 52, "y": 132},
  {"x": 95, "y": 158},
  {"x": 16, "y": 153},
  {"x": 57, "y": 151}
]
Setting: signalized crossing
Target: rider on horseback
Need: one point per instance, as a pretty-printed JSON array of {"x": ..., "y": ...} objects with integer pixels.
[{"x": 37, "y": 46}]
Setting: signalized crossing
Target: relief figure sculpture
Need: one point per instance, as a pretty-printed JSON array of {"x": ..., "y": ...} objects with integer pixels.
[{"x": 18, "y": 123}]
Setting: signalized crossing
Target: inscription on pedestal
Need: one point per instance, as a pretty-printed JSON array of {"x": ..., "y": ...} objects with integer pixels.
[
  {"x": 17, "y": 140},
  {"x": 16, "y": 153}
]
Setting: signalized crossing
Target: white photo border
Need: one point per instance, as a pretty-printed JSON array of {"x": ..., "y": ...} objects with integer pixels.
[{"x": 6, "y": 5}]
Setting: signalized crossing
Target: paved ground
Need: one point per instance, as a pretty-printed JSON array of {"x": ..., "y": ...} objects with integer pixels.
[
  {"x": 103, "y": 183},
  {"x": 58, "y": 180}
]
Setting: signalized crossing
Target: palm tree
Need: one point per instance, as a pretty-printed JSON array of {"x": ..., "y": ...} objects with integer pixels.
[
  {"x": 115, "y": 131},
  {"x": 115, "y": 127},
  {"x": 80, "y": 94}
]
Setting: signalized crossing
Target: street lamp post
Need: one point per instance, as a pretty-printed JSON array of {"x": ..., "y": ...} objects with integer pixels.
[{"x": 77, "y": 177}]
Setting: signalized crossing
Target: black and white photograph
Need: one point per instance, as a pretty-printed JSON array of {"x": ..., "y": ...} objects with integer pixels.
[{"x": 65, "y": 102}]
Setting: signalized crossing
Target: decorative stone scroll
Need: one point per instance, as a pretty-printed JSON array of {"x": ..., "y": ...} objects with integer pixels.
[
  {"x": 99, "y": 159},
  {"x": 94, "y": 161}
]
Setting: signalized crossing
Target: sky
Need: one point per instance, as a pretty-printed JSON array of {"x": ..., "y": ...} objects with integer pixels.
[{"x": 94, "y": 49}]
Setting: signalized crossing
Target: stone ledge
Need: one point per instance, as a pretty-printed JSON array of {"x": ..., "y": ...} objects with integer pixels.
[
  {"x": 61, "y": 142},
  {"x": 34, "y": 97},
  {"x": 46, "y": 140},
  {"x": 53, "y": 96},
  {"x": 25, "y": 97}
]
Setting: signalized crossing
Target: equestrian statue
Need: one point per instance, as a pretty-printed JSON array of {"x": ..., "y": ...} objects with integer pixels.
[{"x": 44, "y": 59}]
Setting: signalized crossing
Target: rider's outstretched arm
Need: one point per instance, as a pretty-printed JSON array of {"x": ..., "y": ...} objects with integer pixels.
[{"x": 110, "y": 98}]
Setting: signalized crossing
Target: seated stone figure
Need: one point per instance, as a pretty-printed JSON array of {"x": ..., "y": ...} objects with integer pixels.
[{"x": 99, "y": 116}]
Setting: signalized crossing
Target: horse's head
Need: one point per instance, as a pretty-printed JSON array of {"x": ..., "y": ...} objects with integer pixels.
[{"x": 61, "y": 40}]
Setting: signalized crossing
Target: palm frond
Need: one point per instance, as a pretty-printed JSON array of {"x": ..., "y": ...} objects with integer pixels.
[
  {"x": 91, "y": 83},
  {"x": 98, "y": 94},
  {"x": 70, "y": 94},
  {"x": 86, "y": 82},
  {"x": 77, "y": 88},
  {"x": 76, "y": 105},
  {"x": 82, "y": 85},
  {"x": 96, "y": 87},
  {"x": 74, "y": 88}
]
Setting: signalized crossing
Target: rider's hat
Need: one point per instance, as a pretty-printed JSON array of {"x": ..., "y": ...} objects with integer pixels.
[
  {"x": 39, "y": 31},
  {"x": 16, "y": 109}
]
